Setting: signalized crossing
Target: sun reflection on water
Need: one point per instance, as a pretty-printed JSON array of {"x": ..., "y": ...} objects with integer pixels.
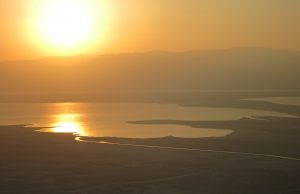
[{"x": 67, "y": 122}]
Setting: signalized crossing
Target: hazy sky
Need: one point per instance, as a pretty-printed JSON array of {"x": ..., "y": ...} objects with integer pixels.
[{"x": 174, "y": 25}]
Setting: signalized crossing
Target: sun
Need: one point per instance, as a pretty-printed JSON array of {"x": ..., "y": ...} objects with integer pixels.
[
  {"x": 67, "y": 26},
  {"x": 66, "y": 23}
]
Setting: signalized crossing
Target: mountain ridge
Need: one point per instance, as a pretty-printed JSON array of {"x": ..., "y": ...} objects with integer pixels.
[{"x": 229, "y": 69}]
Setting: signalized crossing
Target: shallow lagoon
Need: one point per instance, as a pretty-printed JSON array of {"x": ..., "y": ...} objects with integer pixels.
[
  {"x": 295, "y": 101},
  {"x": 110, "y": 119}
]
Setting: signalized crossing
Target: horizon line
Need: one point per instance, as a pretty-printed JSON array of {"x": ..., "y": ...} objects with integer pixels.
[{"x": 151, "y": 51}]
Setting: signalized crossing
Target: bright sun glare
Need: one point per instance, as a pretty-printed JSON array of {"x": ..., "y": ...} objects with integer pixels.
[
  {"x": 67, "y": 25},
  {"x": 67, "y": 123}
]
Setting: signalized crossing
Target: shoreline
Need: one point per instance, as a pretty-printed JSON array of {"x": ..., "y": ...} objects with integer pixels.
[{"x": 34, "y": 162}]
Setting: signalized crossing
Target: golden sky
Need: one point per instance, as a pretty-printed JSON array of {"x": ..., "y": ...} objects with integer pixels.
[{"x": 143, "y": 25}]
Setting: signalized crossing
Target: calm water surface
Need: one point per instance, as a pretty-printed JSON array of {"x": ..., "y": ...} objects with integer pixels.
[
  {"x": 280, "y": 100},
  {"x": 110, "y": 119}
]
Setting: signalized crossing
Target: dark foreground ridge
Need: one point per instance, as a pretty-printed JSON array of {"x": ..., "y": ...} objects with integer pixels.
[{"x": 33, "y": 162}]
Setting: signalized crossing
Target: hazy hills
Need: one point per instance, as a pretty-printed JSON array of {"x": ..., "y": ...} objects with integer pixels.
[{"x": 231, "y": 69}]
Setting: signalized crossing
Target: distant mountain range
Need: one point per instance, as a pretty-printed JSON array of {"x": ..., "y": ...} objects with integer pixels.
[{"x": 230, "y": 69}]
